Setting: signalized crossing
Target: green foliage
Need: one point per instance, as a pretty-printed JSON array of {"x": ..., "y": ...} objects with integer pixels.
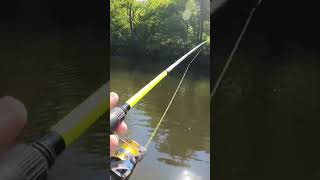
[{"x": 149, "y": 26}]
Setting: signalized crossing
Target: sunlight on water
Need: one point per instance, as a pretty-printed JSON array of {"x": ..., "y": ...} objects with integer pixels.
[{"x": 187, "y": 175}]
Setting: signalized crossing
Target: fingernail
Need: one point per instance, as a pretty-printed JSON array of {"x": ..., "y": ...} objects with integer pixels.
[{"x": 114, "y": 95}]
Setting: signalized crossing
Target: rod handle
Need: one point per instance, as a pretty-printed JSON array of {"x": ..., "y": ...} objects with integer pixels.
[
  {"x": 23, "y": 162},
  {"x": 31, "y": 161},
  {"x": 117, "y": 115}
]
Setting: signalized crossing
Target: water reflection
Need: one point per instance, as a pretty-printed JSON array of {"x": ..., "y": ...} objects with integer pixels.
[{"x": 182, "y": 141}]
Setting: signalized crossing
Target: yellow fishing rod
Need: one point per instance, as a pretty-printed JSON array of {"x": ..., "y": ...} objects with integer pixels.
[
  {"x": 129, "y": 153},
  {"x": 118, "y": 113},
  {"x": 32, "y": 161}
]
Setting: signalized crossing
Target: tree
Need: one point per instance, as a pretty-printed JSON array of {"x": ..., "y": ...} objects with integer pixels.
[{"x": 150, "y": 26}]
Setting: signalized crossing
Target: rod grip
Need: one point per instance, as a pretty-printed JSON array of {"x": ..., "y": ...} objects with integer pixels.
[
  {"x": 23, "y": 162},
  {"x": 117, "y": 115},
  {"x": 31, "y": 161}
]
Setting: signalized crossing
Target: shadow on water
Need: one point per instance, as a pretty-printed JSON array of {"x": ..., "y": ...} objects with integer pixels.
[
  {"x": 266, "y": 109},
  {"x": 53, "y": 56},
  {"x": 182, "y": 141}
]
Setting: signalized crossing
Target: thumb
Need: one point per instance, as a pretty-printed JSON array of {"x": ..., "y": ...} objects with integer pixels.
[
  {"x": 113, "y": 99},
  {"x": 13, "y": 117}
]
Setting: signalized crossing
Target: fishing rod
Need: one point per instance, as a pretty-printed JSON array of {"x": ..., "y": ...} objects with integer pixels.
[
  {"x": 118, "y": 113},
  {"x": 129, "y": 153},
  {"x": 32, "y": 161}
]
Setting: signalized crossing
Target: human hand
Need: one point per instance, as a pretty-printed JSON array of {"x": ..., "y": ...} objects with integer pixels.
[
  {"x": 122, "y": 127},
  {"x": 13, "y": 117}
]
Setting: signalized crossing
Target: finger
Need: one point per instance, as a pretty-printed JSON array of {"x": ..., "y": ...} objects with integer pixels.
[
  {"x": 113, "y": 143},
  {"x": 122, "y": 128},
  {"x": 13, "y": 117},
  {"x": 113, "y": 99}
]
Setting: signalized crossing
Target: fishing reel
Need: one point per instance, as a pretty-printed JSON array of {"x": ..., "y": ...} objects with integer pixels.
[{"x": 125, "y": 158}]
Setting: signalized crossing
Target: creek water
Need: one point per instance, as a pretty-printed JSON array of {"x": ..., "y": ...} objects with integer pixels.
[
  {"x": 266, "y": 110},
  {"x": 50, "y": 89},
  {"x": 180, "y": 149}
]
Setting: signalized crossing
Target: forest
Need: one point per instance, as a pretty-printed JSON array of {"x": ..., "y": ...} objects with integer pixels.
[{"x": 158, "y": 28}]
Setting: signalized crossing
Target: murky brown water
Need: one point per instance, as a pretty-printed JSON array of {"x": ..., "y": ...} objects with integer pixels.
[
  {"x": 266, "y": 111},
  {"x": 181, "y": 147}
]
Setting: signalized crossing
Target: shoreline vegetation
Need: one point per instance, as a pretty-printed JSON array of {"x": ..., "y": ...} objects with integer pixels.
[
  {"x": 130, "y": 63},
  {"x": 159, "y": 29}
]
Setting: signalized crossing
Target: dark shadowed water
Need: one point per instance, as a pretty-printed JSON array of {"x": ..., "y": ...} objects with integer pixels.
[
  {"x": 50, "y": 89},
  {"x": 266, "y": 111},
  {"x": 181, "y": 147},
  {"x": 52, "y": 57}
]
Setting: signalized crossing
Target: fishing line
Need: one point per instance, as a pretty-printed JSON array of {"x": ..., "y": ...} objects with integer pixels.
[
  {"x": 130, "y": 152},
  {"x": 172, "y": 98},
  {"x": 234, "y": 49}
]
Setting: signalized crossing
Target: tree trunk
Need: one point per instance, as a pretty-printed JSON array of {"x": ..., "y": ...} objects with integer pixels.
[
  {"x": 200, "y": 28},
  {"x": 187, "y": 32},
  {"x": 130, "y": 15},
  {"x": 201, "y": 19},
  {"x": 133, "y": 25}
]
